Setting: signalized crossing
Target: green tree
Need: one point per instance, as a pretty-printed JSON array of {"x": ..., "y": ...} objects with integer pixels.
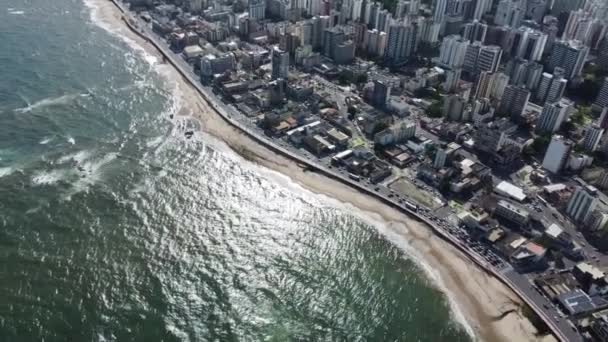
[
  {"x": 582, "y": 115},
  {"x": 435, "y": 110},
  {"x": 540, "y": 144}
]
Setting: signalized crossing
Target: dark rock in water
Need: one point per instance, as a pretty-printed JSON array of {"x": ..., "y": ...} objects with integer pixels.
[
  {"x": 171, "y": 116},
  {"x": 189, "y": 134}
]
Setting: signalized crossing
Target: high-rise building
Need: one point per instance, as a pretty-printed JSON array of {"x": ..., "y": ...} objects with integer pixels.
[
  {"x": 380, "y": 94},
  {"x": 383, "y": 20},
  {"x": 510, "y": 13},
  {"x": 303, "y": 30},
  {"x": 531, "y": 43},
  {"x": 601, "y": 100},
  {"x": 344, "y": 52},
  {"x": 551, "y": 87},
  {"x": 452, "y": 77},
  {"x": 319, "y": 25},
  {"x": 557, "y": 154},
  {"x": 402, "y": 42},
  {"x": 535, "y": 9},
  {"x": 429, "y": 30},
  {"x": 372, "y": 9},
  {"x": 406, "y": 7},
  {"x": 480, "y": 58},
  {"x": 280, "y": 64},
  {"x": 580, "y": 26},
  {"x": 501, "y": 81},
  {"x": 566, "y": 6},
  {"x": 452, "y": 51},
  {"x": 440, "y": 158},
  {"x": 485, "y": 85},
  {"x": 602, "y": 114},
  {"x": 331, "y": 38},
  {"x": 602, "y": 56},
  {"x": 525, "y": 73},
  {"x": 195, "y": 5},
  {"x": 514, "y": 101},
  {"x": 257, "y": 9},
  {"x": 593, "y": 135},
  {"x": 551, "y": 29},
  {"x": 277, "y": 90},
  {"x": 581, "y": 204},
  {"x": 374, "y": 42},
  {"x": 569, "y": 55},
  {"x": 552, "y": 117},
  {"x": 475, "y": 31},
  {"x": 602, "y": 182},
  {"x": 439, "y": 11},
  {"x": 481, "y": 7},
  {"x": 453, "y": 107}
]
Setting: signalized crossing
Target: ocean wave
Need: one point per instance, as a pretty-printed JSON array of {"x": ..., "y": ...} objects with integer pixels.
[
  {"x": 46, "y": 140},
  {"x": 6, "y": 171},
  {"x": 91, "y": 172},
  {"x": 100, "y": 19},
  {"x": 393, "y": 234},
  {"x": 15, "y": 12},
  {"x": 51, "y": 101},
  {"x": 78, "y": 157},
  {"x": 49, "y": 177}
]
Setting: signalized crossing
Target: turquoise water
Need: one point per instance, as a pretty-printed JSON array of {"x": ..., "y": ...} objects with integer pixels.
[{"x": 114, "y": 227}]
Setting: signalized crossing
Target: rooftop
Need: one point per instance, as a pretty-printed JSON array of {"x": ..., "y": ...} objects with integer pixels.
[
  {"x": 576, "y": 302},
  {"x": 554, "y": 231},
  {"x": 511, "y": 190}
]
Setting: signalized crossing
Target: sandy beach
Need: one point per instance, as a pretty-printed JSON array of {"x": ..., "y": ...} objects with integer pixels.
[{"x": 492, "y": 310}]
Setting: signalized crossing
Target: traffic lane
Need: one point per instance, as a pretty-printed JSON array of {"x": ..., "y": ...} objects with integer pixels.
[{"x": 543, "y": 304}]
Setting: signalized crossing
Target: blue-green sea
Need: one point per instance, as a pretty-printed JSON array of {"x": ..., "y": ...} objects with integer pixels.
[{"x": 115, "y": 227}]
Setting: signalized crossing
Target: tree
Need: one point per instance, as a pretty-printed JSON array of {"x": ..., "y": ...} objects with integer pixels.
[
  {"x": 435, "y": 110},
  {"x": 540, "y": 144},
  {"x": 582, "y": 115},
  {"x": 362, "y": 78}
]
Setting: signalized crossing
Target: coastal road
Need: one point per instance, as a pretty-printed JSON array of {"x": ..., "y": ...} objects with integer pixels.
[{"x": 229, "y": 113}]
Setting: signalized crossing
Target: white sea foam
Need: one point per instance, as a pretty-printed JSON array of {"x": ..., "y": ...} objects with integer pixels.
[
  {"x": 78, "y": 157},
  {"x": 15, "y": 12},
  {"x": 71, "y": 140},
  {"x": 117, "y": 30},
  {"x": 90, "y": 172},
  {"x": 5, "y": 171},
  {"x": 49, "y": 177},
  {"x": 46, "y": 140},
  {"x": 50, "y": 101}
]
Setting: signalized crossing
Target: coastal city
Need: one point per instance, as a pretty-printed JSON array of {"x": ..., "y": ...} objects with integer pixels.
[{"x": 483, "y": 118}]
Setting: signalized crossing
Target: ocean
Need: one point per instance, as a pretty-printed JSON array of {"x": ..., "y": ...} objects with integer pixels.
[{"x": 116, "y": 227}]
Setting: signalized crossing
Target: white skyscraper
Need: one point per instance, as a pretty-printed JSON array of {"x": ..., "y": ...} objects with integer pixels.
[
  {"x": 593, "y": 135},
  {"x": 439, "y": 11},
  {"x": 452, "y": 51},
  {"x": 481, "y": 7},
  {"x": 257, "y": 9},
  {"x": 195, "y": 5},
  {"x": 557, "y": 154},
  {"x": 510, "y": 13},
  {"x": 569, "y": 55},
  {"x": 601, "y": 100},
  {"x": 551, "y": 86},
  {"x": 531, "y": 43},
  {"x": 280, "y": 64},
  {"x": 552, "y": 117},
  {"x": 581, "y": 204}
]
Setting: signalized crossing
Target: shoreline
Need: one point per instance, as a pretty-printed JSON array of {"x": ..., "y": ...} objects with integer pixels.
[{"x": 476, "y": 294}]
